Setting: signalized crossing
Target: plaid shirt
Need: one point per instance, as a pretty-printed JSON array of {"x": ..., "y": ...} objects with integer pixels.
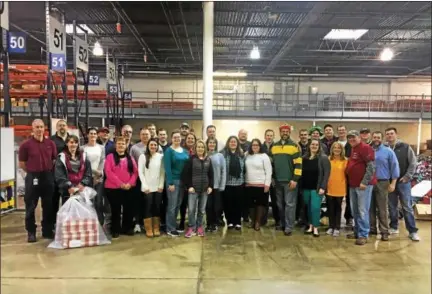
[{"x": 231, "y": 181}]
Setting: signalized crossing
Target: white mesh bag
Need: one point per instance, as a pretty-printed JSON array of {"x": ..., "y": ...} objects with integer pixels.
[{"x": 78, "y": 224}]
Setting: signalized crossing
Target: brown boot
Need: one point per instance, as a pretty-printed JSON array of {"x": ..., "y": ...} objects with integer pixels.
[
  {"x": 156, "y": 226},
  {"x": 148, "y": 227}
]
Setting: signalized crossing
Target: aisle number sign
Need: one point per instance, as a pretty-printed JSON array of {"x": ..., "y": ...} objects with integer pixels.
[
  {"x": 113, "y": 89},
  {"x": 57, "y": 44},
  {"x": 127, "y": 95},
  {"x": 93, "y": 80},
  {"x": 111, "y": 72},
  {"x": 17, "y": 42},
  {"x": 4, "y": 15},
  {"x": 82, "y": 54}
]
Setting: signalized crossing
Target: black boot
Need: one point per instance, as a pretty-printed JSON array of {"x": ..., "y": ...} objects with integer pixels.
[{"x": 31, "y": 237}]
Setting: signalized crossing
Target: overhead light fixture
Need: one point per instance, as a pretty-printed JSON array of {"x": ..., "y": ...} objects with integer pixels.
[
  {"x": 343, "y": 34},
  {"x": 308, "y": 75},
  {"x": 387, "y": 54},
  {"x": 69, "y": 29},
  {"x": 255, "y": 54},
  {"x": 387, "y": 76},
  {"x": 97, "y": 49},
  {"x": 229, "y": 74},
  {"x": 149, "y": 72}
]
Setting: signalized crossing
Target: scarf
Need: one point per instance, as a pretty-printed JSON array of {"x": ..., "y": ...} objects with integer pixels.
[
  {"x": 234, "y": 165},
  {"x": 75, "y": 178}
]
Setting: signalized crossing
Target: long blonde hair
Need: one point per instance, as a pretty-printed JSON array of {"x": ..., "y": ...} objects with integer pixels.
[
  {"x": 342, "y": 155},
  {"x": 205, "y": 147}
]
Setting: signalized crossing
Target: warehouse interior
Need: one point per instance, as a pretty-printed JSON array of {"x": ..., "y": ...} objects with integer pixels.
[{"x": 236, "y": 65}]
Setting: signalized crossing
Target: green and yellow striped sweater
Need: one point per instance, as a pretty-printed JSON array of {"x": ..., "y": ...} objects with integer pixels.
[{"x": 287, "y": 161}]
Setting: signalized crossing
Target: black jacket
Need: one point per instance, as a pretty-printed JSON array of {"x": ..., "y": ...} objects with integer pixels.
[
  {"x": 265, "y": 149},
  {"x": 198, "y": 174},
  {"x": 62, "y": 178},
  {"x": 328, "y": 143},
  {"x": 59, "y": 142}
]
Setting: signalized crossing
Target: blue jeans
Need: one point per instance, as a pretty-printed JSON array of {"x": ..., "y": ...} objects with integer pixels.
[
  {"x": 402, "y": 193},
  {"x": 195, "y": 218},
  {"x": 286, "y": 202},
  {"x": 174, "y": 201},
  {"x": 360, "y": 205}
]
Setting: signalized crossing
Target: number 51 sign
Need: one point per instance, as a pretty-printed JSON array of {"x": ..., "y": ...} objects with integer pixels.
[{"x": 57, "y": 44}]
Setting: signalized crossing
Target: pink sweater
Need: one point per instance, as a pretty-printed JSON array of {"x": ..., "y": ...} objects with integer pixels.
[{"x": 116, "y": 175}]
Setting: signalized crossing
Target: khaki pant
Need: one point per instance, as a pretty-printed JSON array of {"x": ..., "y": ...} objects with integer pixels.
[{"x": 379, "y": 207}]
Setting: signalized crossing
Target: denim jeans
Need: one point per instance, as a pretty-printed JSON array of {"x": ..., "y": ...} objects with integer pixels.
[
  {"x": 286, "y": 202},
  {"x": 402, "y": 193},
  {"x": 174, "y": 201},
  {"x": 360, "y": 205},
  {"x": 195, "y": 216}
]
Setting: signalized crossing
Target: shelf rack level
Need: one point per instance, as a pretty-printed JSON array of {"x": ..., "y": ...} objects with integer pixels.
[{"x": 4, "y": 54}]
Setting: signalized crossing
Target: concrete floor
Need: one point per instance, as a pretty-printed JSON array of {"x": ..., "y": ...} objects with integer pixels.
[{"x": 250, "y": 262}]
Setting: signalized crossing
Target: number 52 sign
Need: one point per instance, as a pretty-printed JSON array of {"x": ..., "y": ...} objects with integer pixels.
[{"x": 81, "y": 56}]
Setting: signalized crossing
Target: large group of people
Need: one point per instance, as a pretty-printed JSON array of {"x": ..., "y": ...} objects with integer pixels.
[{"x": 146, "y": 185}]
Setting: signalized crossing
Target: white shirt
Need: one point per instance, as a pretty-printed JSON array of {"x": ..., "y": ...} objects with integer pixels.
[
  {"x": 258, "y": 170},
  {"x": 96, "y": 155},
  {"x": 152, "y": 178},
  {"x": 343, "y": 143}
]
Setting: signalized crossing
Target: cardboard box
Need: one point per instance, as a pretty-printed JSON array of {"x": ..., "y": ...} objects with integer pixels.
[{"x": 423, "y": 212}]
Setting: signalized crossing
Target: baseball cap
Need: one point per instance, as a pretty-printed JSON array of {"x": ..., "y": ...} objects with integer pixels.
[
  {"x": 353, "y": 133},
  {"x": 185, "y": 124},
  {"x": 103, "y": 129},
  {"x": 364, "y": 130}
]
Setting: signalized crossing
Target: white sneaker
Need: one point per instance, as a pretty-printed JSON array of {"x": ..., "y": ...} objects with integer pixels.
[
  {"x": 329, "y": 232},
  {"x": 393, "y": 231},
  {"x": 336, "y": 233},
  {"x": 137, "y": 229},
  {"x": 414, "y": 236}
]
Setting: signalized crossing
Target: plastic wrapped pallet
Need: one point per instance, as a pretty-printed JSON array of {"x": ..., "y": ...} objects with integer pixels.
[{"x": 77, "y": 223}]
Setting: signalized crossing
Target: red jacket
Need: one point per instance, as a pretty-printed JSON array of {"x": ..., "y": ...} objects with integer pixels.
[{"x": 361, "y": 155}]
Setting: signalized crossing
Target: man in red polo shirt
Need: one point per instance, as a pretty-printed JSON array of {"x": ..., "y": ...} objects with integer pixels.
[
  {"x": 360, "y": 171},
  {"x": 36, "y": 157}
]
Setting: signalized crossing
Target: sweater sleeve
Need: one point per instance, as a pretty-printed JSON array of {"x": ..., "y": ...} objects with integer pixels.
[
  {"x": 162, "y": 174},
  {"x": 134, "y": 176},
  {"x": 412, "y": 163},
  {"x": 102, "y": 160},
  {"x": 167, "y": 165},
  {"x": 326, "y": 172},
  {"x": 369, "y": 159},
  {"x": 109, "y": 170},
  {"x": 141, "y": 172},
  {"x": 223, "y": 174},
  {"x": 268, "y": 170},
  {"x": 394, "y": 165}
]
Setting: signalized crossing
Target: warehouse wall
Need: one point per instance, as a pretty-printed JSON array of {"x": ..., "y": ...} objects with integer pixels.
[
  {"x": 365, "y": 87},
  {"x": 225, "y": 128}
]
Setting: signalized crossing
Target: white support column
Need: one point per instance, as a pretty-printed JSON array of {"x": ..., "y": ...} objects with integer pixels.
[
  {"x": 103, "y": 122},
  {"x": 419, "y": 130},
  {"x": 208, "y": 8},
  {"x": 314, "y": 123}
]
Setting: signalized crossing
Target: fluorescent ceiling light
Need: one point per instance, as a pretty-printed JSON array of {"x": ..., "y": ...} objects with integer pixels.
[
  {"x": 149, "y": 72},
  {"x": 343, "y": 34},
  {"x": 229, "y": 74},
  {"x": 69, "y": 29},
  {"x": 255, "y": 54},
  {"x": 387, "y": 76},
  {"x": 97, "y": 49},
  {"x": 386, "y": 55},
  {"x": 308, "y": 75}
]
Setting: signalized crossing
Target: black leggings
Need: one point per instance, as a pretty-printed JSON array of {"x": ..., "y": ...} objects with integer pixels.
[
  {"x": 214, "y": 208},
  {"x": 119, "y": 199},
  {"x": 334, "y": 208},
  {"x": 152, "y": 204},
  {"x": 139, "y": 203},
  {"x": 232, "y": 201}
]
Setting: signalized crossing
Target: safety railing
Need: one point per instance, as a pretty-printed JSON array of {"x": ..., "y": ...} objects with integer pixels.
[{"x": 235, "y": 102}]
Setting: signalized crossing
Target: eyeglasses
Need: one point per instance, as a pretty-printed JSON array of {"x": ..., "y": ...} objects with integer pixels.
[{"x": 255, "y": 145}]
